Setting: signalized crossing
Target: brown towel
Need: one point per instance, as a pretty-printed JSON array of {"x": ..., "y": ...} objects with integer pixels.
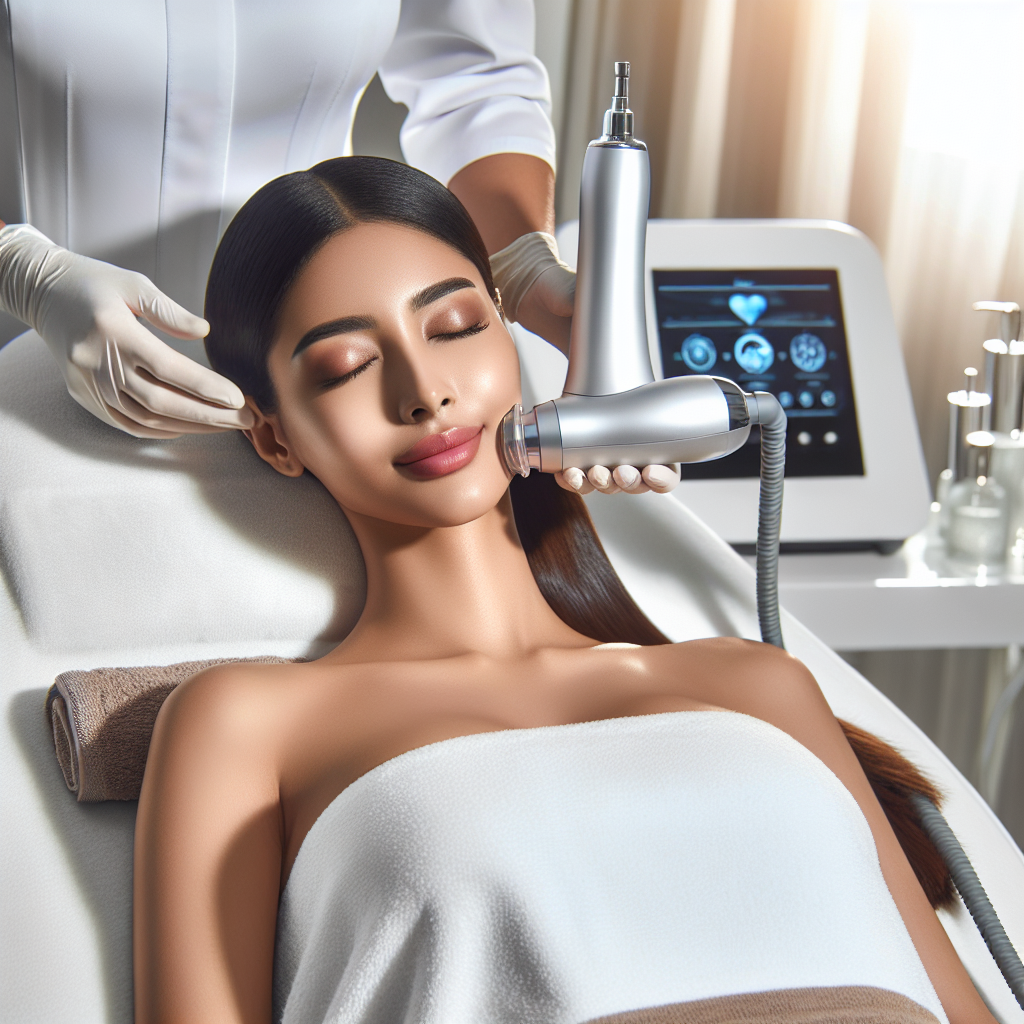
[
  {"x": 846, "y": 1004},
  {"x": 103, "y": 719}
]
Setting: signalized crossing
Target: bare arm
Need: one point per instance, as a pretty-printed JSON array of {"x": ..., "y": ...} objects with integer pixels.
[
  {"x": 508, "y": 195},
  {"x": 767, "y": 683},
  {"x": 207, "y": 858}
]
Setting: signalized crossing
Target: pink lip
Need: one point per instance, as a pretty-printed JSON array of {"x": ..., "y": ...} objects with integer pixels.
[{"x": 441, "y": 454}]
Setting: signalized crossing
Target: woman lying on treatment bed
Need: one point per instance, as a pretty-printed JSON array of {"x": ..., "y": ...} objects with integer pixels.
[{"x": 472, "y": 810}]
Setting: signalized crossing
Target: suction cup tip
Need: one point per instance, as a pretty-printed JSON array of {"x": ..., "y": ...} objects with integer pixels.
[{"x": 513, "y": 442}]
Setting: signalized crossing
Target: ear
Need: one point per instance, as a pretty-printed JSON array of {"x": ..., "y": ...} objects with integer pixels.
[{"x": 268, "y": 438}]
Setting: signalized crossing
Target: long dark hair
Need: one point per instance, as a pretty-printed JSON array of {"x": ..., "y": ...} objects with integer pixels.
[{"x": 270, "y": 240}]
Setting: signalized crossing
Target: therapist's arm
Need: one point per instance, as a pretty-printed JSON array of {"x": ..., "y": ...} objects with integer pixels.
[{"x": 509, "y": 195}]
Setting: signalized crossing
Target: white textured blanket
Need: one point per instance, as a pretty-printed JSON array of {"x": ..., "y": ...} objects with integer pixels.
[{"x": 567, "y": 873}]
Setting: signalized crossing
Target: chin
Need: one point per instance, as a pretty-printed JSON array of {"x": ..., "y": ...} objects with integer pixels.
[
  {"x": 454, "y": 500},
  {"x": 463, "y": 501}
]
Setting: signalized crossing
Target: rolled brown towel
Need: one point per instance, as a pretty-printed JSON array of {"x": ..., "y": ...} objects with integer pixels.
[{"x": 103, "y": 719}]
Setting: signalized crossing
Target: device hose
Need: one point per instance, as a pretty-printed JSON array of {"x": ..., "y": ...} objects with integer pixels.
[
  {"x": 966, "y": 880},
  {"x": 772, "y": 420}
]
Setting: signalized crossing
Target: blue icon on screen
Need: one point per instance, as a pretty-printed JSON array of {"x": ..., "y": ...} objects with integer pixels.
[
  {"x": 699, "y": 353},
  {"x": 748, "y": 307},
  {"x": 806, "y": 399},
  {"x": 786, "y": 399},
  {"x": 808, "y": 352},
  {"x": 754, "y": 352},
  {"x": 828, "y": 399}
]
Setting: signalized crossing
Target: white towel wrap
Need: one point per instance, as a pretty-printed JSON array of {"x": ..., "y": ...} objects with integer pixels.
[{"x": 565, "y": 873}]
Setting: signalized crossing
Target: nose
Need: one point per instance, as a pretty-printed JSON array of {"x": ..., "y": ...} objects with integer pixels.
[
  {"x": 424, "y": 407},
  {"x": 423, "y": 389}
]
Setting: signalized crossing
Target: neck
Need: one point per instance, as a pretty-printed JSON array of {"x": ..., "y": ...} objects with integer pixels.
[{"x": 445, "y": 592}]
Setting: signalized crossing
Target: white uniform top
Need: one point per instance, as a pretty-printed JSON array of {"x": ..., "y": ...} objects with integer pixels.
[
  {"x": 133, "y": 130},
  {"x": 566, "y": 873}
]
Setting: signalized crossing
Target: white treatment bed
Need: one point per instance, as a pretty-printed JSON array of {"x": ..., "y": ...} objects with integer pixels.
[{"x": 116, "y": 551}]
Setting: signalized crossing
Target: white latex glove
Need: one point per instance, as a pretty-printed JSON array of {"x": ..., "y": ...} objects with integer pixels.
[
  {"x": 85, "y": 310},
  {"x": 628, "y": 479},
  {"x": 538, "y": 290}
]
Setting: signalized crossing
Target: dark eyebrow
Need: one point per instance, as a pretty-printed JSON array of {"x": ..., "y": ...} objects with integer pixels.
[
  {"x": 438, "y": 291},
  {"x": 346, "y": 325}
]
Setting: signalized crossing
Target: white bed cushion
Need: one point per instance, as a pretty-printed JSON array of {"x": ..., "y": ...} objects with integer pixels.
[
  {"x": 118, "y": 551},
  {"x": 105, "y": 537}
]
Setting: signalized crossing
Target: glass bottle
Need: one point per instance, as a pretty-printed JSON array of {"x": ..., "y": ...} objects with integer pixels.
[{"x": 978, "y": 510}]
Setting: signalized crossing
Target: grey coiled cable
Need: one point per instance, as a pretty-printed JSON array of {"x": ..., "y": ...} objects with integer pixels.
[
  {"x": 766, "y": 411},
  {"x": 966, "y": 880}
]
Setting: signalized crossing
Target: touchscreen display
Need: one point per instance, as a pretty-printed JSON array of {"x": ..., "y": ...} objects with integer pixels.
[{"x": 768, "y": 330}]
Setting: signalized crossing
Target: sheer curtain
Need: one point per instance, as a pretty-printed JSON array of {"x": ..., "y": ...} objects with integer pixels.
[{"x": 904, "y": 118}]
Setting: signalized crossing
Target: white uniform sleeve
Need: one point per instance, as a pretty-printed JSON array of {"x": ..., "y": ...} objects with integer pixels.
[{"x": 467, "y": 73}]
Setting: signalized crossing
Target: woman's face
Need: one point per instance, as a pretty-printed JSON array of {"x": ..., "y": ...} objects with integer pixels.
[{"x": 393, "y": 372}]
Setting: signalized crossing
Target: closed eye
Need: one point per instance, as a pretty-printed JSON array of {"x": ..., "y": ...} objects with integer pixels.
[
  {"x": 464, "y": 333},
  {"x": 346, "y": 377}
]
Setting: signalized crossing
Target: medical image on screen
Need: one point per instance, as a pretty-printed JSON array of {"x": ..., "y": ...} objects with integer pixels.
[{"x": 768, "y": 330}]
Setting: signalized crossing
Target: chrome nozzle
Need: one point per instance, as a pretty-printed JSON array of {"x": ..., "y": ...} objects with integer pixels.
[
  {"x": 618, "y": 118},
  {"x": 620, "y": 98}
]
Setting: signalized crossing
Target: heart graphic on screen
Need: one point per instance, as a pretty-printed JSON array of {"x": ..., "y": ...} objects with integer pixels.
[{"x": 748, "y": 307}]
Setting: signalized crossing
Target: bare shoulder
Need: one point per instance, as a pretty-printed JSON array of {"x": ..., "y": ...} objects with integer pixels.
[
  {"x": 226, "y": 718},
  {"x": 747, "y": 676},
  {"x": 228, "y": 698}
]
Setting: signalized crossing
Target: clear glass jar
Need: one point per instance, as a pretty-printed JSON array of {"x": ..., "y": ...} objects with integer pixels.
[{"x": 978, "y": 521}]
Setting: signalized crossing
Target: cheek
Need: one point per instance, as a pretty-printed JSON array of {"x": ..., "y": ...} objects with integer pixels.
[
  {"x": 491, "y": 376},
  {"x": 339, "y": 439}
]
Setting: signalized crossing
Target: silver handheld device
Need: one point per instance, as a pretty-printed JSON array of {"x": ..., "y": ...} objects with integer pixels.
[{"x": 612, "y": 411}]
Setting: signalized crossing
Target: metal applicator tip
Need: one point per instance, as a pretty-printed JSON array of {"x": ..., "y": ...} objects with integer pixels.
[{"x": 618, "y": 119}]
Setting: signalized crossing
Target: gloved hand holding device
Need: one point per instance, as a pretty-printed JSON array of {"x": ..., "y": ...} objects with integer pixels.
[
  {"x": 86, "y": 311},
  {"x": 538, "y": 290}
]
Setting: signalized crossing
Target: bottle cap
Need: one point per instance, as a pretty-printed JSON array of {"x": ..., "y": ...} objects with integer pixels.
[
  {"x": 969, "y": 399},
  {"x": 1009, "y": 320}
]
